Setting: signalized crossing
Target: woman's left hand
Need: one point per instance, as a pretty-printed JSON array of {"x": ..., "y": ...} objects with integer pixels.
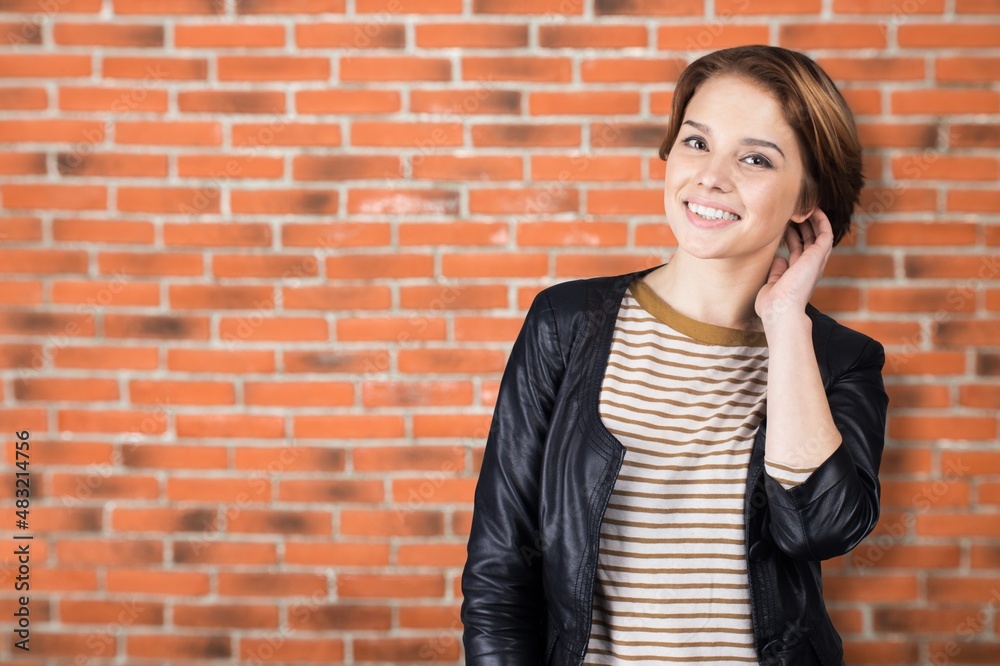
[{"x": 791, "y": 282}]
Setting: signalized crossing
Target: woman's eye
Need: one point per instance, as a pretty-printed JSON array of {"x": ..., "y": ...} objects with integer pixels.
[
  {"x": 764, "y": 162},
  {"x": 693, "y": 138}
]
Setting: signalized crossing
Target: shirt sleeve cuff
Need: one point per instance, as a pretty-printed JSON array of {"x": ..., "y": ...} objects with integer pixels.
[{"x": 787, "y": 476}]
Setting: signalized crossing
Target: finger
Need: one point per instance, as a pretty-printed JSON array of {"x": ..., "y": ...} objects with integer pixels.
[
  {"x": 794, "y": 243},
  {"x": 807, "y": 231}
]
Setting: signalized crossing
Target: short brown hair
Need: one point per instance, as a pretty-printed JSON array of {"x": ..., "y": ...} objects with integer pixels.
[{"x": 815, "y": 110}]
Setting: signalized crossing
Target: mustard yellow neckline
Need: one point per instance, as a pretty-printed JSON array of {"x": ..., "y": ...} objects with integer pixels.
[{"x": 700, "y": 331}]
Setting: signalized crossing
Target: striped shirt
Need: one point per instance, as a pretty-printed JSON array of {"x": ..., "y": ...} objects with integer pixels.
[{"x": 685, "y": 398}]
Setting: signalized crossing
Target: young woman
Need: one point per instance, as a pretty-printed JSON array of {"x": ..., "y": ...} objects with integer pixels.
[{"x": 675, "y": 450}]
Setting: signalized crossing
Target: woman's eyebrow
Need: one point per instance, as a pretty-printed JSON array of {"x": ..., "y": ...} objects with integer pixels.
[{"x": 746, "y": 141}]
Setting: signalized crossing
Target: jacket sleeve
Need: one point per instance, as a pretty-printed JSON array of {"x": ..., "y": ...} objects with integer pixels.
[
  {"x": 503, "y": 606},
  {"x": 837, "y": 506}
]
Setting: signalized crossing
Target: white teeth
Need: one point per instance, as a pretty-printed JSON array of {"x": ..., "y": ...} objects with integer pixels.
[{"x": 711, "y": 213}]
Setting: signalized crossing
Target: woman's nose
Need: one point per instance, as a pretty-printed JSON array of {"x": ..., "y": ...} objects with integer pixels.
[{"x": 715, "y": 172}]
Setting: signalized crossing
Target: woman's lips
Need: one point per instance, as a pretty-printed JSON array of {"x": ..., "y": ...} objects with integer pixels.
[{"x": 699, "y": 221}]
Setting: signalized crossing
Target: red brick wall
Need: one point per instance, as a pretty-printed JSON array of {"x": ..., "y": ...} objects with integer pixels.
[{"x": 263, "y": 262}]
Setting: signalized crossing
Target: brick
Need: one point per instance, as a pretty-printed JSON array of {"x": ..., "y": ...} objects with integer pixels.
[
  {"x": 217, "y": 234},
  {"x": 487, "y": 329},
  {"x": 650, "y": 8},
  {"x": 337, "y": 554},
  {"x": 381, "y": 586},
  {"x": 400, "y": 201},
  {"x": 218, "y": 360},
  {"x": 625, "y": 201},
  {"x": 129, "y": 7},
  {"x": 255, "y": 135},
  {"x": 639, "y": 70},
  {"x": 258, "y": 7},
  {"x": 269, "y": 521},
  {"x": 882, "y": 588},
  {"x": 925, "y": 102},
  {"x": 344, "y": 616},
  {"x": 174, "y": 200},
  {"x": 169, "y": 133},
  {"x": 377, "y": 68},
  {"x": 346, "y": 167},
  {"x": 229, "y": 36},
  {"x": 471, "y": 35},
  {"x": 495, "y": 265},
  {"x": 378, "y": 522},
  {"x": 97, "y": 34},
  {"x": 211, "y": 297},
  {"x": 108, "y": 552},
  {"x": 174, "y": 456},
  {"x": 588, "y": 103},
  {"x": 24, "y": 98},
  {"x": 364, "y": 133},
  {"x": 586, "y": 167},
  {"x": 210, "y": 101},
  {"x": 154, "y": 68},
  {"x": 451, "y": 361},
  {"x": 364, "y": 266},
  {"x": 157, "y": 582},
  {"x": 932, "y": 234},
  {"x": 348, "y": 362},
  {"x": 112, "y": 164},
  {"x": 349, "y": 426},
  {"x": 291, "y": 459},
  {"x": 393, "y": 329},
  {"x": 22, "y": 164},
  {"x": 298, "y": 394},
  {"x": 453, "y": 233},
  {"x": 516, "y": 68},
  {"x": 432, "y": 554},
  {"x": 348, "y": 101},
  {"x": 445, "y": 648},
  {"x": 45, "y": 65},
  {"x": 604, "y": 36},
  {"x": 106, "y": 357},
  {"x": 460, "y": 297},
  {"x": 55, "y": 197},
  {"x": 415, "y": 394},
  {"x": 229, "y": 425},
  {"x": 350, "y": 35},
  {"x": 956, "y": 525},
  {"x": 936, "y": 36},
  {"x": 336, "y": 298},
  {"x": 717, "y": 35},
  {"x": 276, "y": 202},
  {"x": 298, "y": 650},
  {"x": 336, "y": 234},
  {"x": 235, "y": 616},
  {"x": 116, "y": 613},
  {"x": 164, "y": 520},
  {"x": 550, "y": 136},
  {"x": 339, "y": 491},
  {"x": 213, "y": 489},
  {"x": 159, "y": 646},
  {"x": 111, "y": 100},
  {"x": 409, "y": 6},
  {"x": 272, "y": 68},
  {"x": 873, "y": 69},
  {"x": 827, "y": 35},
  {"x": 467, "y": 167},
  {"x": 227, "y": 553}
]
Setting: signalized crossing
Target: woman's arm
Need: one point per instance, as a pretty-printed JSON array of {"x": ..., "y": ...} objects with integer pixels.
[
  {"x": 503, "y": 607},
  {"x": 840, "y": 433}
]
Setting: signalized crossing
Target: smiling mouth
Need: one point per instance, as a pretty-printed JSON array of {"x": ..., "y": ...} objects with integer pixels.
[{"x": 711, "y": 214}]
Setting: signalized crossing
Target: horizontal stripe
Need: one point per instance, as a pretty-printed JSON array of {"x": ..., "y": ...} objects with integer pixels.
[{"x": 671, "y": 584}]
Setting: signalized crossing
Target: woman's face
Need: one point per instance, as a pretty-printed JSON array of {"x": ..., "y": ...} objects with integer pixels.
[{"x": 723, "y": 158}]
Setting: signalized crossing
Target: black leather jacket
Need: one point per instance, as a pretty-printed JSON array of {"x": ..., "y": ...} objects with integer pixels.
[{"x": 550, "y": 465}]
